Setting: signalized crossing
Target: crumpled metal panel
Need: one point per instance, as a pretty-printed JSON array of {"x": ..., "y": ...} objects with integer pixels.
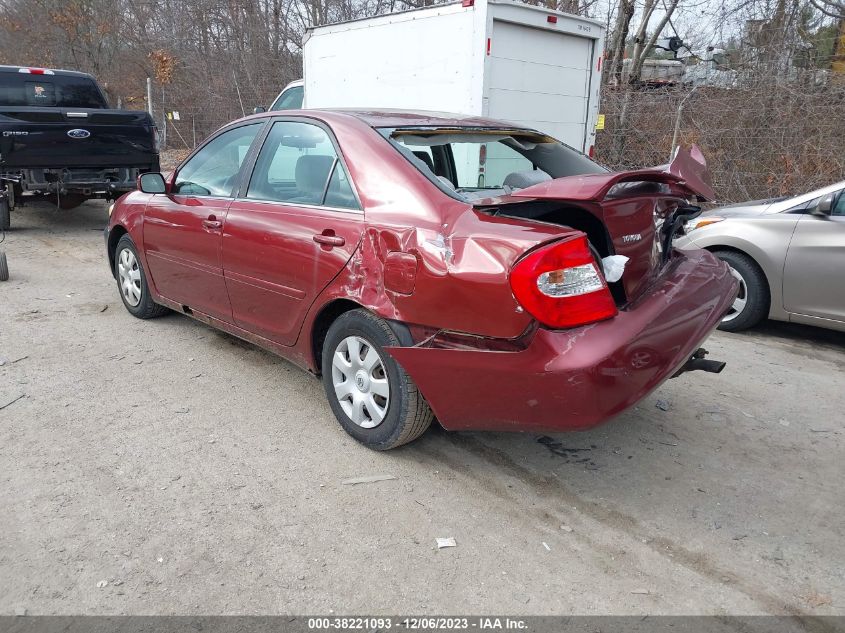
[
  {"x": 575, "y": 379},
  {"x": 687, "y": 171}
]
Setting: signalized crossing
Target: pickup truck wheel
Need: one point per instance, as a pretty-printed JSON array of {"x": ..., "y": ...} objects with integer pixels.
[
  {"x": 752, "y": 303},
  {"x": 4, "y": 267},
  {"x": 372, "y": 397},
  {"x": 132, "y": 282},
  {"x": 5, "y": 214}
]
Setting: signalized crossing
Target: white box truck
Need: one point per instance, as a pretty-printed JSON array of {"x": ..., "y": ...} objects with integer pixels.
[{"x": 507, "y": 60}]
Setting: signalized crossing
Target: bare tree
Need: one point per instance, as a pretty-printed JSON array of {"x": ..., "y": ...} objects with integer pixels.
[
  {"x": 616, "y": 50},
  {"x": 641, "y": 50}
]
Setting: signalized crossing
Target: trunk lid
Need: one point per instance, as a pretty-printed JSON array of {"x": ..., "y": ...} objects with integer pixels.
[{"x": 630, "y": 205}]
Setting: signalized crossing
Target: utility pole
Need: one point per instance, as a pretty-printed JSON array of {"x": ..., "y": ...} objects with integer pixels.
[
  {"x": 150, "y": 96},
  {"x": 163, "y": 119},
  {"x": 838, "y": 63}
]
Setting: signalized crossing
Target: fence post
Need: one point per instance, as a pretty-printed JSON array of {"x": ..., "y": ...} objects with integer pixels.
[{"x": 677, "y": 131}]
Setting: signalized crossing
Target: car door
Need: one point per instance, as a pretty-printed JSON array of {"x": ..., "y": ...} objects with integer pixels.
[
  {"x": 815, "y": 261},
  {"x": 183, "y": 228},
  {"x": 294, "y": 226}
]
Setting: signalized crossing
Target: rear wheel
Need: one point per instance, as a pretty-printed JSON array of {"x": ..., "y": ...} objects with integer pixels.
[
  {"x": 5, "y": 213},
  {"x": 372, "y": 397},
  {"x": 752, "y": 303},
  {"x": 132, "y": 282}
]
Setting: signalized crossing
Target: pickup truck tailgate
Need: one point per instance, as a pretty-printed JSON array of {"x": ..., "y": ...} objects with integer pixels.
[{"x": 79, "y": 137}]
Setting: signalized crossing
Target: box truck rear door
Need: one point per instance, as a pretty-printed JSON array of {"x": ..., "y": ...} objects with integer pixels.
[{"x": 540, "y": 78}]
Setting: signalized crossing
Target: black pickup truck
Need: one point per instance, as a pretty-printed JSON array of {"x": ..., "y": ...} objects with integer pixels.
[{"x": 60, "y": 141}]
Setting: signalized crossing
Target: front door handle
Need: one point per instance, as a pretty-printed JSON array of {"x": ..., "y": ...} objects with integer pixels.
[
  {"x": 212, "y": 224},
  {"x": 329, "y": 240}
]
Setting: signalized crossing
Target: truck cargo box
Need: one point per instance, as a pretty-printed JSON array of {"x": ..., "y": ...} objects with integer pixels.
[{"x": 533, "y": 66}]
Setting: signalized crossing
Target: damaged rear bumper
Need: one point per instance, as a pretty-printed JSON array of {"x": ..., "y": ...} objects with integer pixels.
[{"x": 576, "y": 379}]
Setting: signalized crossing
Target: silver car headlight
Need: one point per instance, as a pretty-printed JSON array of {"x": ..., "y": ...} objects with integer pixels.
[{"x": 697, "y": 223}]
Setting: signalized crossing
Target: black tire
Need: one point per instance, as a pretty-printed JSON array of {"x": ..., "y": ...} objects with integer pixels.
[
  {"x": 4, "y": 267},
  {"x": 5, "y": 214},
  {"x": 754, "y": 290},
  {"x": 407, "y": 413},
  {"x": 146, "y": 308}
]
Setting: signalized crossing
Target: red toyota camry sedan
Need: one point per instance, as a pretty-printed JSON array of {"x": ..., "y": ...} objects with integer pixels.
[{"x": 430, "y": 265}]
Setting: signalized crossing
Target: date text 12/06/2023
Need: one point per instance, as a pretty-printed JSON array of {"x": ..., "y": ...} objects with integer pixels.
[{"x": 426, "y": 623}]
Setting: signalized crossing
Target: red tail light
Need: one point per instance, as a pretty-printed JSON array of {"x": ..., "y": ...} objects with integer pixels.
[{"x": 561, "y": 286}]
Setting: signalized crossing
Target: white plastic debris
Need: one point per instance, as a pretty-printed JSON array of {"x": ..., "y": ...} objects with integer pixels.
[
  {"x": 446, "y": 542},
  {"x": 613, "y": 267},
  {"x": 102, "y": 583},
  {"x": 366, "y": 480},
  {"x": 546, "y": 545}
]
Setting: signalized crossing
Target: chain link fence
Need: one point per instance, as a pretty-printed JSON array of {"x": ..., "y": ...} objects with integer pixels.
[{"x": 761, "y": 138}]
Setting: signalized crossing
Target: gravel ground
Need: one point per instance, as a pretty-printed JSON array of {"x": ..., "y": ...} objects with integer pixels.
[{"x": 162, "y": 467}]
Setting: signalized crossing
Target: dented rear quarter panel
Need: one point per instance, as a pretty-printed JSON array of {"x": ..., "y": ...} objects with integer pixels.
[{"x": 463, "y": 256}]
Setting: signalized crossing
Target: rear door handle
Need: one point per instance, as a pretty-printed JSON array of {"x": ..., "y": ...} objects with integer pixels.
[
  {"x": 329, "y": 240},
  {"x": 212, "y": 224}
]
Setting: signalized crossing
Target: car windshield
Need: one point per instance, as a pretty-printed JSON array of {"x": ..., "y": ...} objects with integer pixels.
[
  {"x": 475, "y": 163},
  {"x": 290, "y": 99}
]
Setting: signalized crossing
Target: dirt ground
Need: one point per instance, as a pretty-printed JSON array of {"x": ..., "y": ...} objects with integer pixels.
[{"x": 161, "y": 467}]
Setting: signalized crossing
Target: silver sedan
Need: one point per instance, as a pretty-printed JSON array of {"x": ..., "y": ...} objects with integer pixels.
[{"x": 787, "y": 253}]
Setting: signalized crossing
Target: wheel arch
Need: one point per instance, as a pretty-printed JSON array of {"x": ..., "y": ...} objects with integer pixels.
[
  {"x": 116, "y": 232},
  {"x": 330, "y": 312},
  {"x": 772, "y": 288}
]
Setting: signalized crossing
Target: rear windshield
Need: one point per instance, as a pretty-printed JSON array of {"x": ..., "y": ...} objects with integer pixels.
[
  {"x": 24, "y": 89},
  {"x": 475, "y": 163}
]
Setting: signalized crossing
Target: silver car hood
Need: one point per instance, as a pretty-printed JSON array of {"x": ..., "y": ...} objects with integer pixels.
[{"x": 755, "y": 207}]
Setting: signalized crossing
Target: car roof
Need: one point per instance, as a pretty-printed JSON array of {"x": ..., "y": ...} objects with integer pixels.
[
  {"x": 375, "y": 117},
  {"x": 53, "y": 71}
]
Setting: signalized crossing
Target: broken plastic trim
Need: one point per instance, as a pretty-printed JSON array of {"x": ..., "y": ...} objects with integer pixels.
[{"x": 672, "y": 224}]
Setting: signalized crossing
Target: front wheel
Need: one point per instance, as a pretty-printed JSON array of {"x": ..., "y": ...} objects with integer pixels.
[
  {"x": 752, "y": 303},
  {"x": 371, "y": 396},
  {"x": 132, "y": 281}
]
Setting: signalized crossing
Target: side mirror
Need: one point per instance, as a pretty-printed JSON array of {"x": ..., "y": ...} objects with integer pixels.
[
  {"x": 823, "y": 206},
  {"x": 152, "y": 182},
  {"x": 259, "y": 109}
]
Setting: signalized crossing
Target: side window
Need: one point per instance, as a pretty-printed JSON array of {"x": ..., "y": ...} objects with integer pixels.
[
  {"x": 339, "y": 194},
  {"x": 213, "y": 171},
  {"x": 298, "y": 164},
  {"x": 839, "y": 205},
  {"x": 290, "y": 99}
]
